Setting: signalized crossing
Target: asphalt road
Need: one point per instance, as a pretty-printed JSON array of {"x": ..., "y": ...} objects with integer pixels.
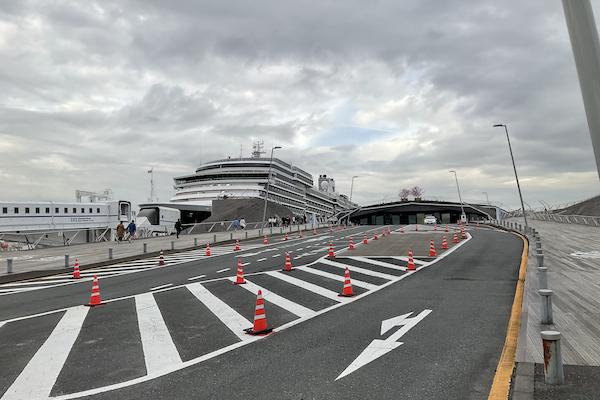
[{"x": 451, "y": 353}]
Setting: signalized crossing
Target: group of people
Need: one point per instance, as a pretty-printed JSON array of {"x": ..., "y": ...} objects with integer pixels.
[
  {"x": 287, "y": 221},
  {"x": 121, "y": 229},
  {"x": 239, "y": 223}
]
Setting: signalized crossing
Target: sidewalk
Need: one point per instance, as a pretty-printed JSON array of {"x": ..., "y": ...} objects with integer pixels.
[
  {"x": 572, "y": 256},
  {"x": 46, "y": 260}
]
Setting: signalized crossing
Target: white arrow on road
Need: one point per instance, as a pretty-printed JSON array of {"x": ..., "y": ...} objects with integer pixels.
[{"x": 379, "y": 347}]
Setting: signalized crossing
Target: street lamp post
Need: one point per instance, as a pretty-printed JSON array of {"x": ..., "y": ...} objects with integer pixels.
[
  {"x": 268, "y": 184},
  {"x": 462, "y": 209},
  {"x": 352, "y": 187},
  {"x": 515, "y": 169}
]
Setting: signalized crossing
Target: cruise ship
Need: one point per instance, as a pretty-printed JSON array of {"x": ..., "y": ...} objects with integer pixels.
[{"x": 234, "y": 178}]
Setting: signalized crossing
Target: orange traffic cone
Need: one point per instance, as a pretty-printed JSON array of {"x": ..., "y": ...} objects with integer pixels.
[
  {"x": 76, "y": 273},
  {"x": 285, "y": 237},
  {"x": 375, "y": 236},
  {"x": 444, "y": 243},
  {"x": 239, "y": 278},
  {"x": 455, "y": 239},
  {"x": 237, "y": 245},
  {"x": 95, "y": 299},
  {"x": 401, "y": 229},
  {"x": 463, "y": 235},
  {"x": 416, "y": 227},
  {"x": 260, "y": 318},
  {"x": 265, "y": 240},
  {"x": 301, "y": 234},
  {"x": 351, "y": 244},
  {"x": 383, "y": 233},
  {"x": 347, "y": 290},
  {"x": 207, "y": 252},
  {"x": 331, "y": 253},
  {"x": 365, "y": 240},
  {"x": 446, "y": 227},
  {"x": 432, "y": 252},
  {"x": 411, "y": 261},
  {"x": 314, "y": 231},
  {"x": 288, "y": 263},
  {"x": 161, "y": 259}
]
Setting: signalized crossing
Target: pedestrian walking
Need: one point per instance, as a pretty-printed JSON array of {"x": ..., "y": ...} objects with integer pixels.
[
  {"x": 131, "y": 228},
  {"x": 178, "y": 227},
  {"x": 120, "y": 231}
]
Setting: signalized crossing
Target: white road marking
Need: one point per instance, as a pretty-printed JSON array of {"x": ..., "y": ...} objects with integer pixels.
[
  {"x": 160, "y": 352},
  {"x": 261, "y": 259},
  {"x": 402, "y": 258},
  {"x": 40, "y": 374},
  {"x": 276, "y": 255},
  {"x": 231, "y": 318},
  {"x": 274, "y": 298},
  {"x": 339, "y": 278},
  {"x": 193, "y": 278},
  {"x": 161, "y": 287},
  {"x": 307, "y": 285},
  {"x": 18, "y": 284},
  {"x": 246, "y": 263},
  {"x": 379, "y": 347},
  {"x": 352, "y": 268},
  {"x": 299, "y": 249},
  {"x": 222, "y": 270},
  {"x": 379, "y": 263}
]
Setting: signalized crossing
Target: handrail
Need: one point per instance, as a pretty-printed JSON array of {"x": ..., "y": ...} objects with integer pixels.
[{"x": 589, "y": 220}]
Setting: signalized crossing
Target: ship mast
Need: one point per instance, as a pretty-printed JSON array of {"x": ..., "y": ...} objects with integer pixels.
[{"x": 258, "y": 149}]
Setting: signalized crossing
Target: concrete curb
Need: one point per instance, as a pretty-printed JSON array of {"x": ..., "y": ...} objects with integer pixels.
[{"x": 523, "y": 382}]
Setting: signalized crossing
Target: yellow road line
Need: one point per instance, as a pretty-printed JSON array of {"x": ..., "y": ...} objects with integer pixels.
[{"x": 506, "y": 364}]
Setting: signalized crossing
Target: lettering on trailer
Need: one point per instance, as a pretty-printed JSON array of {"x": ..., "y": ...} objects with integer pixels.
[{"x": 379, "y": 347}]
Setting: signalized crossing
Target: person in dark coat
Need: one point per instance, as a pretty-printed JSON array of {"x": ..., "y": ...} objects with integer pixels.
[{"x": 178, "y": 227}]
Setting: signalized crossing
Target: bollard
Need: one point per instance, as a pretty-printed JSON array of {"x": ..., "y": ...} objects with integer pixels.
[
  {"x": 215, "y": 238},
  {"x": 9, "y": 268},
  {"x": 546, "y": 306},
  {"x": 280, "y": 230},
  {"x": 231, "y": 236},
  {"x": 271, "y": 231},
  {"x": 553, "y": 366},
  {"x": 195, "y": 242},
  {"x": 246, "y": 234},
  {"x": 172, "y": 245},
  {"x": 110, "y": 253},
  {"x": 520, "y": 227},
  {"x": 543, "y": 278},
  {"x": 540, "y": 258},
  {"x": 67, "y": 261},
  {"x": 145, "y": 247},
  {"x": 538, "y": 246}
]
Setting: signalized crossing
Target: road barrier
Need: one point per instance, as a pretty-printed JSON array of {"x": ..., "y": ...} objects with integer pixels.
[
  {"x": 567, "y": 219},
  {"x": 546, "y": 317},
  {"x": 553, "y": 366}
]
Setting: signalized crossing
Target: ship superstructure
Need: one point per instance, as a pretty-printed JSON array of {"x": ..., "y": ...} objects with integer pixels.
[{"x": 290, "y": 185}]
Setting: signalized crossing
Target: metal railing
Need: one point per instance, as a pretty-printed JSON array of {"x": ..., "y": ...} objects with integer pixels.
[
  {"x": 567, "y": 219},
  {"x": 52, "y": 238}
]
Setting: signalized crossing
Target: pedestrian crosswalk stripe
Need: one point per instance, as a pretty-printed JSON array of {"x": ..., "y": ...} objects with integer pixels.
[
  {"x": 340, "y": 278},
  {"x": 40, "y": 374},
  {"x": 159, "y": 350},
  {"x": 193, "y": 278},
  {"x": 403, "y": 258},
  {"x": 379, "y": 263},
  {"x": 357, "y": 269},
  {"x": 274, "y": 298},
  {"x": 307, "y": 285},
  {"x": 231, "y": 318}
]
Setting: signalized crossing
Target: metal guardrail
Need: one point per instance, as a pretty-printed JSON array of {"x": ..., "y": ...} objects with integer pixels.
[{"x": 567, "y": 219}]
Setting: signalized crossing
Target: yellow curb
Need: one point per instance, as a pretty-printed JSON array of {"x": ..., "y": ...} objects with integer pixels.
[{"x": 506, "y": 364}]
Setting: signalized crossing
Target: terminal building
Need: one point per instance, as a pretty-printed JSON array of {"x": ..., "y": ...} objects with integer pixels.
[{"x": 412, "y": 212}]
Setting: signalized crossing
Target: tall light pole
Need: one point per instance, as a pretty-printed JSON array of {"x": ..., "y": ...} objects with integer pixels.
[
  {"x": 515, "y": 169},
  {"x": 462, "y": 209},
  {"x": 268, "y": 184},
  {"x": 352, "y": 187}
]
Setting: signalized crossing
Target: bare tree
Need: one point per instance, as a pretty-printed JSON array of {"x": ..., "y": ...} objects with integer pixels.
[
  {"x": 404, "y": 193},
  {"x": 417, "y": 191}
]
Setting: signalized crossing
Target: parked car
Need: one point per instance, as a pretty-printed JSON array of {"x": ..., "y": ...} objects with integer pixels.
[{"x": 430, "y": 220}]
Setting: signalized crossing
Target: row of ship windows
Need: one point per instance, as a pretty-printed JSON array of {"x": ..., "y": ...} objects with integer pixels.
[{"x": 16, "y": 210}]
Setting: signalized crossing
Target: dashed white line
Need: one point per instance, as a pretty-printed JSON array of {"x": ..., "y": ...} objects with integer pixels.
[
  {"x": 161, "y": 287},
  {"x": 276, "y": 255},
  {"x": 244, "y": 264},
  {"x": 261, "y": 259},
  {"x": 193, "y": 278},
  {"x": 223, "y": 270}
]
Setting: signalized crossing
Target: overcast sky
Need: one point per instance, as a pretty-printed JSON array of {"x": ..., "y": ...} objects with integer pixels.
[{"x": 92, "y": 94}]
